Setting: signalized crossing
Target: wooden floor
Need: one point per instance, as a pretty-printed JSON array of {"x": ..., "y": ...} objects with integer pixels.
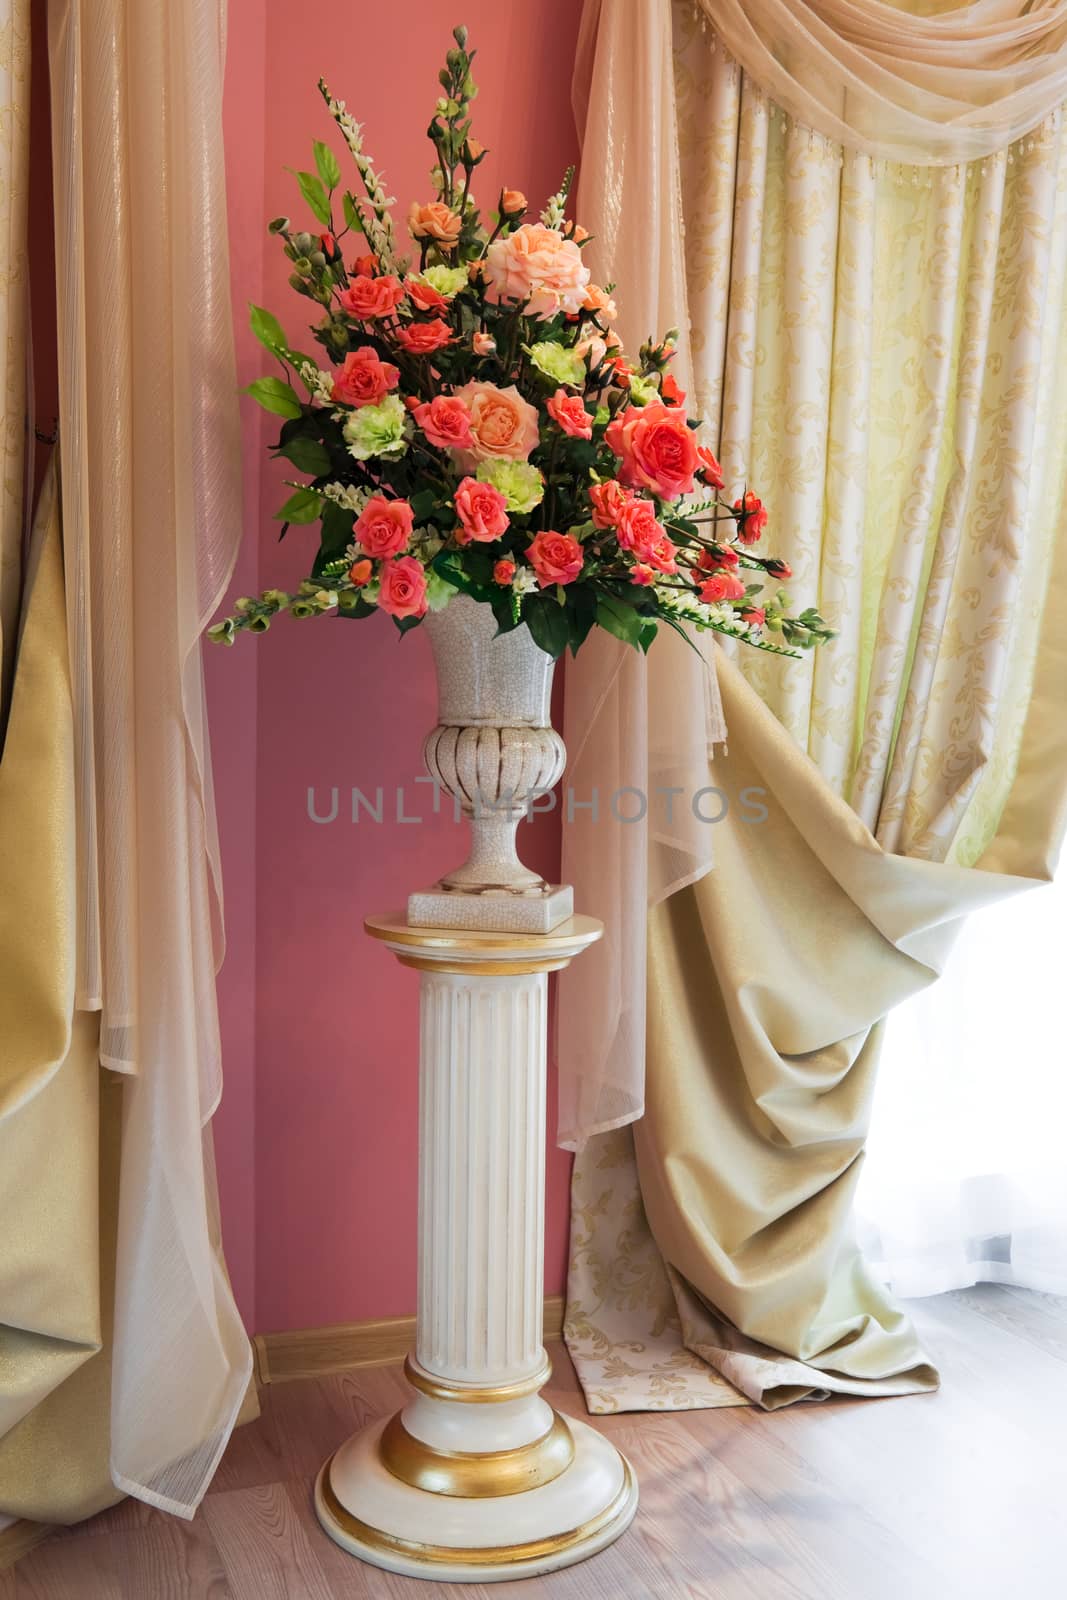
[{"x": 956, "y": 1496}]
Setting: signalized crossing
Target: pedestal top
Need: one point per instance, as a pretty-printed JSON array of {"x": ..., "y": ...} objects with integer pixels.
[{"x": 481, "y": 952}]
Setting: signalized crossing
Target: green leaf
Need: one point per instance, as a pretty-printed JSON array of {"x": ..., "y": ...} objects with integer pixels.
[
  {"x": 328, "y": 167},
  {"x": 422, "y": 504},
  {"x": 302, "y": 506},
  {"x": 267, "y": 329},
  {"x": 352, "y": 216},
  {"x": 335, "y": 536},
  {"x": 619, "y": 619},
  {"x": 307, "y": 455},
  {"x": 274, "y": 394},
  {"x": 647, "y": 634},
  {"x": 315, "y": 195},
  {"x": 450, "y": 565},
  {"x": 549, "y": 625}
]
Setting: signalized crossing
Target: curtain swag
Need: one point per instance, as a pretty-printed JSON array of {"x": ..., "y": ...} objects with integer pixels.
[{"x": 933, "y": 90}]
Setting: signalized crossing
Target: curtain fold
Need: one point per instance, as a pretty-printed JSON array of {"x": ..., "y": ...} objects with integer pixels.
[
  {"x": 882, "y": 352},
  {"x": 930, "y": 85},
  {"x": 151, "y": 516}
]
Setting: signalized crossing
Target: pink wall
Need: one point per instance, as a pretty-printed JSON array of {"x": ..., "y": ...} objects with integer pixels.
[{"x": 316, "y": 1136}]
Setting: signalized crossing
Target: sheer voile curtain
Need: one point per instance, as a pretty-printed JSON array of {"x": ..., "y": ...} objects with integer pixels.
[
  {"x": 150, "y": 458},
  {"x": 879, "y": 349}
]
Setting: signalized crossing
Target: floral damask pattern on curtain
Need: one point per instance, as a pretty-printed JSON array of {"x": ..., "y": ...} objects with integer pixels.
[{"x": 882, "y": 349}]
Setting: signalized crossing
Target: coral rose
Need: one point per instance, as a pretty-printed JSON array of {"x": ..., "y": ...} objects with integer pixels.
[
  {"x": 504, "y": 425},
  {"x": 671, "y": 392},
  {"x": 607, "y": 500},
  {"x": 752, "y": 520},
  {"x": 435, "y": 221},
  {"x": 423, "y": 338},
  {"x": 383, "y": 527},
  {"x": 722, "y": 586},
  {"x": 364, "y": 379},
  {"x": 364, "y": 267},
  {"x": 368, "y": 298},
  {"x": 445, "y": 421},
  {"x": 778, "y": 569},
  {"x": 709, "y": 468},
  {"x": 637, "y": 529},
  {"x": 643, "y": 574},
  {"x": 656, "y": 448},
  {"x": 719, "y": 558},
  {"x": 568, "y": 411},
  {"x": 538, "y": 266},
  {"x": 424, "y": 295},
  {"x": 403, "y": 588},
  {"x": 756, "y": 615},
  {"x": 359, "y": 572},
  {"x": 503, "y": 572},
  {"x": 482, "y": 512},
  {"x": 662, "y": 555},
  {"x": 555, "y": 557}
]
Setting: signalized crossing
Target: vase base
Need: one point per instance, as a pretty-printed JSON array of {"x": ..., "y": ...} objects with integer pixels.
[
  {"x": 384, "y": 1521},
  {"x": 495, "y": 911}
]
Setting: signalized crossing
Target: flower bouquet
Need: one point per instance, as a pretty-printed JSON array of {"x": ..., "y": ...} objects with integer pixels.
[{"x": 476, "y": 426}]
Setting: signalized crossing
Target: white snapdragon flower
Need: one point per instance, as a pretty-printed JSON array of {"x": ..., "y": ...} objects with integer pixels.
[{"x": 524, "y": 581}]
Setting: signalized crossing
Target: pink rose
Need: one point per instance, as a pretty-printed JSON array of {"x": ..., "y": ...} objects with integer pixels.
[
  {"x": 569, "y": 412},
  {"x": 384, "y": 527},
  {"x": 504, "y": 572},
  {"x": 538, "y": 266},
  {"x": 482, "y": 511},
  {"x": 662, "y": 555},
  {"x": 483, "y": 344},
  {"x": 752, "y": 522},
  {"x": 555, "y": 557},
  {"x": 403, "y": 588},
  {"x": 656, "y": 448},
  {"x": 722, "y": 586},
  {"x": 637, "y": 528},
  {"x": 504, "y": 425},
  {"x": 422, "y": 338},
  {"x": 445, "y": 421},
  {"x": 608, "y": 500},
  {"x": 364, "y": 379},
  {"x": 643, "y": 574},
  {"x": 367, "y": 298}
]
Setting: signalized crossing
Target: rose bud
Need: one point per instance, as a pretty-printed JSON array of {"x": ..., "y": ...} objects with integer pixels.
[
  {"x": 778, "y": 569},
  {"x": 512, "y": 202},
  {"x": 328, "y": 244}
]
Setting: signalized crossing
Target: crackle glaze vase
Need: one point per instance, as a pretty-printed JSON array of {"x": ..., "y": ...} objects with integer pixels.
[{"x": 494, "y": 750}]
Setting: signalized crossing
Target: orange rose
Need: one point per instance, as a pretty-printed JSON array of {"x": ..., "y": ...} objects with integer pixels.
[{"x": 435, "y": 221}]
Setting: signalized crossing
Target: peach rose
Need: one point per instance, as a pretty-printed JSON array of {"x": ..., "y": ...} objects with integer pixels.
[
  {"x": 555, "y": 557},
  {"x": 445, "y": 421},
  {"x": 503, "y": 572},
  {"x": 403, "y": 588},
  {"x": 607, "y": 500},
  {"x": 435, "y": 221},
  {"x": 722, "y": 586},
  {"x": 636, "y": 528},
  {"x": 568, "y": 411},
  {"x": 656, "y": 449},
  {"x": 364, "y": 379},
  {"x": 600, "y": 303},
  {"x": 384, "y": 527},
  {"x": 423, "y": 338},
  {"x": 504, "y": 425},
  {"x": 482, "y": 512},
  {"x": 368, "y": 298},
  {"x": 483, "y": 344},
  {"x": 752, "y": 522},
  {"x": 512, "y": 202},
  {"x": 538, "y": 266},
  {"x": 592, "y": 350}
]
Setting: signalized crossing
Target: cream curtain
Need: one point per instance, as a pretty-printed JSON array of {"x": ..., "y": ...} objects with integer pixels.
[
  {"x": 151, "y": 518},
  {"x": 880, "y": 349}
]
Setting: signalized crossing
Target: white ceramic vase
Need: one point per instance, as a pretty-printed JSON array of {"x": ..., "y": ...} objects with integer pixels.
[{"x": 495, "y": 752}]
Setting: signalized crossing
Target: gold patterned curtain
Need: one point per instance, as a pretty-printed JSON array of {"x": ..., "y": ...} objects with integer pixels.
[{"x": 881, "y": 351}]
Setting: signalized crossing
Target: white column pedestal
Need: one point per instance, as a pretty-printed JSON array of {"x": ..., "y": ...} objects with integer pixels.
[{"x": 478, "y": 1479}]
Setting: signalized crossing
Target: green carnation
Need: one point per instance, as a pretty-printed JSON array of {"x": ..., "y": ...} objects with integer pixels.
[
  {"x": 521, "y": 484},
  {"x": 446, "y": 280},
  {"x": 377, "y": 430},
  {"x": 642, "y": 391},
  {"x": 557, "y": 362}
]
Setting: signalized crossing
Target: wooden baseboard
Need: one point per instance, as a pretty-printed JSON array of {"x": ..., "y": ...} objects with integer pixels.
[
  {"x": 17, "y": 1539},
  {"x": 314, "y": 1352}
]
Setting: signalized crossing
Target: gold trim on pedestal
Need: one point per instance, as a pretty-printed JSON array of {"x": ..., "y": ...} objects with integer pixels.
[
  {"x": 476, "y": 1475},
  {"x": 441, "y": 1389},
  {"x": 483, "y": 969},
  {"x": 394, "y": 929},
  {"x": 373, "y": 1539}
]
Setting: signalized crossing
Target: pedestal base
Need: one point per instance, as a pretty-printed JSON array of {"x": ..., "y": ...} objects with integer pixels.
[
  {"x": 492, "y": 912},
  {"x": 376, "y": 1516}
]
